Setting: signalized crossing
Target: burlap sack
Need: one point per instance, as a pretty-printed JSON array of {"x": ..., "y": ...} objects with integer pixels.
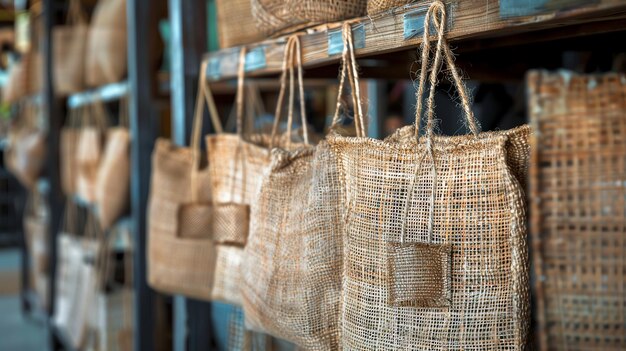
[
  {"x": 106, "y": 60},
  {"x": 435, "y": 251},
  {"x": 25, "y": 154},
  {"x": 68, "y": 152},
  {"x": 291, "y": 270},
  {"x": 69, "y": 51},
  {"x": 377, "y": 6},
  {"x": 181, "y": 254},
  {"x": 90, "y": 149},
  {"x": 25, "y": 78},
  {"x": 113, "y": 179},
  {"x": 36, "y": 238}
]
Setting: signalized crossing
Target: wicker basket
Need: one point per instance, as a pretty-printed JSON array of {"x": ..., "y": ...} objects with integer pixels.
[
  {"x": 578, "y": 213},
  {"x": 378, "y": 6},
  {"x": 276, "y": 17},
  {"x": 235, "y": 23}
]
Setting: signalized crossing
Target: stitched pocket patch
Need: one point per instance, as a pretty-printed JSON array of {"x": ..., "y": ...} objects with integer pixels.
[{"x": 419, "y": 274}]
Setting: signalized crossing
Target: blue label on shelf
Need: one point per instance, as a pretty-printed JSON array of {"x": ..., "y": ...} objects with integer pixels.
[
  {"x": 255, "y": 59},
  {"x": 335, "y": 39},
  {"x": 213, "y": 69},
  {"x": 414, "y": 24},
  {"x": 519, "y": 8}
]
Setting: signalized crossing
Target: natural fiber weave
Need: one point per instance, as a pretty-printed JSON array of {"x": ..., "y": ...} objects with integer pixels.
[
  {"x": 274, "y": 17},
  {"x": 235, "y": 23},
  {"x": 69, "y": 51},
  {"x": 427, "y": 194},
  {"x": 378, "y": 6},
  {"x": 112, "y": 186},
  {"x": 292, "y": 263},
  {"x": 578, "y": 213}
]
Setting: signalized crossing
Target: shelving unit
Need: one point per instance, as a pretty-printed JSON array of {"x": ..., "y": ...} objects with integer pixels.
[{"x": 400, "y": 29}]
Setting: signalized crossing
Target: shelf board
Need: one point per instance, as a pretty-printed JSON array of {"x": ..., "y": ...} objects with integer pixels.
[
  {"x": 109, "y": 92},
  {"x": 385, "y": 32}
]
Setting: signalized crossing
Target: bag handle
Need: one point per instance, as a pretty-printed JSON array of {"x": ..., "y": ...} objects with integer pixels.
[
  {"x": 350, "y": 68},
  {"x": 75, "y": 13},
  {"x": 124, "y": 120},
  {"x": 293, "y": 50},
  {"x": 437, "y": 11}
]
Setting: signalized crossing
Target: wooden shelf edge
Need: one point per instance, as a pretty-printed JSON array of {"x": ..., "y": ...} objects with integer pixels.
[{"x": 384, "y": 33}]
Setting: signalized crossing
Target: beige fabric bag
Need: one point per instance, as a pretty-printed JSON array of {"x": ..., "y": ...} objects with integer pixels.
[
  {"x": 68, "y": 151},
  {"x": 181, "y": 252},
  {"x": 112, "y": 188},
  {"x": 435, "y": 251},
  {"x": 106, "y": 60},
  {"x": 69, "y": 51},
  {"x": 291, "y": 271},
  {"x": 25, "y": 154},
  {"x": 90, "y": 150},
  {"x": 36, "y": 222}
]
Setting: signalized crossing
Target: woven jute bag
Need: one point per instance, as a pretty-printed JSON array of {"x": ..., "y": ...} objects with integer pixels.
[
  {"x": 578, "y": 209},
  {"x": 25, "y": 154},
  {"x": 275, "y": 17},
  {"x": 69, "y": 51},
  {"x": 106, "y": 60},
  {"x": 435, "y": 251},
  {"x": 67, "y": 151},
  {"x": 90, "y": 148},
  {"x": 236, "y": 166},
  {"x": 235, "y": 23},
  {"x": 181, "y": 252},
  {"x": 112, "y": 188},
  {"x": 291, "y": 272}
]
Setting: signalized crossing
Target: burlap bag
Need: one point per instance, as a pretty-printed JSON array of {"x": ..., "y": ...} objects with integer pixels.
[
  {"x": 25, "y": 153},
  {"x": 291, "y": 271},
  {"x": 435, "y": 251},
  {"x": 90, "y": 148},
  {"x": 112, "y": 188},
  {"x": 25, "y": 77},
  {"x": 36, "y": 221},
  {"x": 68, "y": 151},
  {"x": 275, "y": 17},
  {"x": 106, "y": 60},
  {"x": 578, "y": 208},
  {"x": 69, "y": 51},
  {"x": 181, "y": 252},
  {"x": 236, "y": 165}
]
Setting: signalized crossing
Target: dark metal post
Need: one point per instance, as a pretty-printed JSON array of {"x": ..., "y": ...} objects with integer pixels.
[{"x": 189, "y": 40}]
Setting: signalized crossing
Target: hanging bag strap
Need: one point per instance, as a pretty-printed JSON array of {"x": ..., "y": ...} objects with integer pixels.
[
  {"x": 350, "y": 69},
  {"x": 75, "y": 13},
  {"x": 292, "y": 56}
]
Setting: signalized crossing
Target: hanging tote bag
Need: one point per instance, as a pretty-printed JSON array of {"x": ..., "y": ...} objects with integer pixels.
[
  {"x": 436, "y": 254},
  {"x": 36, "y": 224},
  {"x": 236, "y": 167},
  {"x": 67, "y": 151},
  {"x": 181, "y": 254},
  {"x": 291, "y": 272},
  {"x": 578, "y": 208},
  {"x": 106, "y": 46},
  {"x": 112, "y": 188},
  {"x": 25, "y": 154},
  {"x": 69, "y": 51},
  {"x": 90, "y": 150}
]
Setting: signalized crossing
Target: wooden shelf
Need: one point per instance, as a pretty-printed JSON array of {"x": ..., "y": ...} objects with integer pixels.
[
  {"x": 108, "y": 92},
  {"x": 385, "y": 33}
]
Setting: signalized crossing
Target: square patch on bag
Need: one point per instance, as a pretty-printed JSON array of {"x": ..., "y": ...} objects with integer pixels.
[
  {"x": 195, "y": 221},
  {"x": 419, "y": 274},
  {"x": 230, "y": 223}
]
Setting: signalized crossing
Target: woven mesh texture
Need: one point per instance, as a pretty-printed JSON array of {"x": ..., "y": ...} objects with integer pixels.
[
  {"x": 177, "y": 265},
  {"x": 578, "y": 213},
  {"x": 377, "y": 6},
  {"x": 195, "y": 221},
  {"x": 230, "y": 223},
  {"x": 292, "y": 265},
  {"x": 274, "y": 17},
  {"x": 241, "y": 339},
  {"x": 235, "y": 23},
  {"x": 419, "y": 274},
  {"x": 227, "y": 281},
  {"x": 479, "y": 212}
]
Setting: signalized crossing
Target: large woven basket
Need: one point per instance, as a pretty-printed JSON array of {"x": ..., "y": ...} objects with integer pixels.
[
  {"x": 235, "y": 23},
  {"x": 578, "y": 213},
  {"x": 274, "y": 17},
  {"x": 378, "y": 6}
]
